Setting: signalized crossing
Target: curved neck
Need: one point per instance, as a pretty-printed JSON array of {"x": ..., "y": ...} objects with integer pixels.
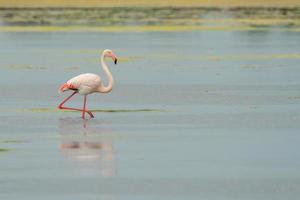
[{"x": 108, "y": 88}]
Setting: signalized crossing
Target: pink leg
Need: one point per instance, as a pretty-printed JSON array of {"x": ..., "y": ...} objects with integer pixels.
[
  {"x": 84, "y": 104},
  {"x": 60, "y": 106}
]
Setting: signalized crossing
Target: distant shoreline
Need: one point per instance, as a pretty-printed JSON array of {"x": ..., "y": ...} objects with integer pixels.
[
  {"x": 148, "y": 19},
  {"x": 144, "y": 3}
]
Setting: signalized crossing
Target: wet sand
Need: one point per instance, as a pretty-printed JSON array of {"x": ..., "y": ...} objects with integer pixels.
[{"x": 194, "y": 114}]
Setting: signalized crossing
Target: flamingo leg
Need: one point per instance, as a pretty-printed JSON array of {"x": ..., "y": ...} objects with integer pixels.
[
  {"x": 60, "y": 106},
  {"x": 84, "y": 105}
]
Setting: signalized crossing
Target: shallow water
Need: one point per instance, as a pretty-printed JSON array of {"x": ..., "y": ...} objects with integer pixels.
[{"x": 204, "y": 114}]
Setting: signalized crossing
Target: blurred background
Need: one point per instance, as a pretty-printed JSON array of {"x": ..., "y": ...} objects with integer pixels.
[
  {"x": 115, "y": 15},
  {"x": 205, "y": 102}
]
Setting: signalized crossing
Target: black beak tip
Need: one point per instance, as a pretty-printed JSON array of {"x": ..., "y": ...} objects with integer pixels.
[{"x": 116, "y": 60}]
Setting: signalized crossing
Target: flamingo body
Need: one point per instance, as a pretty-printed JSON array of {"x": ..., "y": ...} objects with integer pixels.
[
  {"x": 84, "y": 84},
  {"x": 88, "y": 83}
]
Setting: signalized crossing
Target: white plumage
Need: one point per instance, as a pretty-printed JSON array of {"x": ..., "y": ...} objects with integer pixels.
[{"x": 88, "y": 83}]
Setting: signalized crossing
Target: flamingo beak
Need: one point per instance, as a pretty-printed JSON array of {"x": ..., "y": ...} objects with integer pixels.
[{"x": 115, "y": 59}]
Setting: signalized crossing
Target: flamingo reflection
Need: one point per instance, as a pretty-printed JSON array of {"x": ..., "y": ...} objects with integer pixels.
[{"x": 84, "y": 144}]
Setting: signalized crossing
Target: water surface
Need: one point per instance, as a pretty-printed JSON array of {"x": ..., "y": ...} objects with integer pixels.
[{"x": 198, "y": 114}]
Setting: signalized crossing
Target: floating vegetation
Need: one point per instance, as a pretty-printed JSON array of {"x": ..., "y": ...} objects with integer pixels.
[
  {"x": 49, "y": 110},
  {"x": 11, "y": 141},
  {"x": 129, "y": 59},
  {"x": 25, "y": 67},
  {"x": 142, "y": 28},
  {"x": 2, "y": 150},
  {"x": 82, "y": 51},
  {"x": 96, "y": 60},
  {"x": 294, "y": 97},
  {"x": 46, "y": 110},
  {"x": 74, "y": 68},
  {"x": 242, "y": 57},
  {"x": 261, "y": 57},
  {"x": 41, "y": 110},
  {"x": 126, "y": 110}
]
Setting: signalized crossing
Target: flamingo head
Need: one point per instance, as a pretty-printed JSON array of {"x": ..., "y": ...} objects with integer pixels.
[{"x": 110, "y": 53}]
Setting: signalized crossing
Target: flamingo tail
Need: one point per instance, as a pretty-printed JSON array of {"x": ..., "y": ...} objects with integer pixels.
[
  {"x": 63, "y": 88},
  {"x": 67, "y": 86}
]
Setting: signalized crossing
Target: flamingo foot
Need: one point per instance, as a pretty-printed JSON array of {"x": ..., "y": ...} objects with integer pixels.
[
  {"x": 60, "y": 106},
  {"x": 76, "y": 109},
  {"x": 88, "y": 112},
  {"x": 91, "y": 114}
]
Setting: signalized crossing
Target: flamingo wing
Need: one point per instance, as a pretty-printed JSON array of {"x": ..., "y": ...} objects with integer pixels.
[{"x": 83, "y": 83}]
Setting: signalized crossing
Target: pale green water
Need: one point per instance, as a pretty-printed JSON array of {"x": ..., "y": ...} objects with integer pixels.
[{"x": 197, "y": 115}]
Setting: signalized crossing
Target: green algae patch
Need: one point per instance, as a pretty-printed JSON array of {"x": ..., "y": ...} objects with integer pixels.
[
  {"x": 51, "y": 110},
  {"x": 174, "y": 28},
  {"x": 251, "y": 57},
  {"x": 96, "y": 60},
  {"x": 129, "y": 59},
  {"x": 43, "y": 110},
  {"x": 74, "y": 68},
  {"x": 3, "y": 150},
  {"x": 242, "y": 57},
  {"x": 295, "y": 56},
  {"x": 11, "y": 141},
  {"x": 294, "y": 97},
  {"x": 25, "y": 67},
  {"x": 82, "y": 51},
  {"x": 125, "y": 110}
]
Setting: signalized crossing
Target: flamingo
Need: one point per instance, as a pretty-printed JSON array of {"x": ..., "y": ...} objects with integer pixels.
[{"x": 88, "y": 83}]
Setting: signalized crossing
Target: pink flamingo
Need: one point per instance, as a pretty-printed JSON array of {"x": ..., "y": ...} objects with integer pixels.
[{"x": 85, "y": 84}]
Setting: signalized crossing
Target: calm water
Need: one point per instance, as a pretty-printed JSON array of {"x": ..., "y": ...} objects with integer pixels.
[{"x": 193, "y": 115}]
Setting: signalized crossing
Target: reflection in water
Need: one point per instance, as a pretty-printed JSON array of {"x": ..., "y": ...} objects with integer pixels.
[{"x": 83, "y": 145}]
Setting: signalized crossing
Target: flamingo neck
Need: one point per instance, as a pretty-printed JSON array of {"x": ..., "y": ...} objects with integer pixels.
[{"x": 108, "y": 88}]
